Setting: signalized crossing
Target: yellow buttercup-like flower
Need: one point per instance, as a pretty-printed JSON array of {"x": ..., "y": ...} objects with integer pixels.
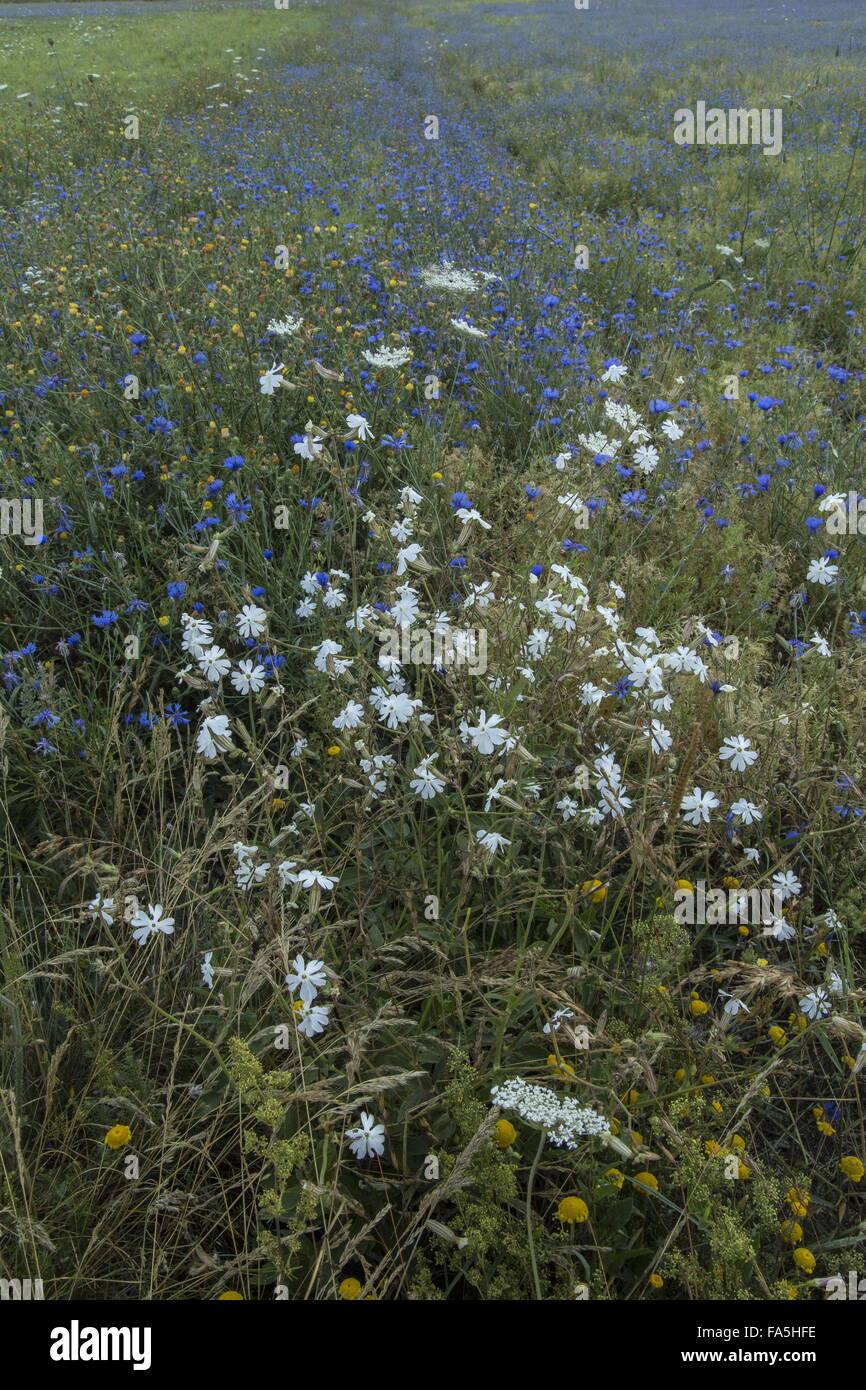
[
  {"x": 118, "y": 1136},
  {"x": 594, "y": 889},
  {"x": 350, "y": 1288},
  {"x": 804, "y": 1259},
  {"x": 504, "y": 1134},
  {"x": 852, "y": 1167},
  {"x": 572, "y": 1210}
]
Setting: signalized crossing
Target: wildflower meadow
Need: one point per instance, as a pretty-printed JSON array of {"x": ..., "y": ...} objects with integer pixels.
[{"x": 433, "y": 653}]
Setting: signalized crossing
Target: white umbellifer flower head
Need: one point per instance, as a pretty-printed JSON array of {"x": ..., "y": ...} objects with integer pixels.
[
  {"x": 467, "y": 329},
  {"x": 564, "y": 1120},
  {"x": 389, "y": 357},
  {"x": 447, "y": 277},
  {"x": 697, "y": 805},
  {"x": 738, "y": 751},
  {"x": 146, "y": 923},
  {"x": 285, "y": 328},
  {"x": 368, "y": 1139},
  {"x": 308, "y": 977}
]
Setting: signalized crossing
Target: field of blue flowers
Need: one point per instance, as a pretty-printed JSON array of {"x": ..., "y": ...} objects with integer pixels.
[{"x": 433, "y": 601}]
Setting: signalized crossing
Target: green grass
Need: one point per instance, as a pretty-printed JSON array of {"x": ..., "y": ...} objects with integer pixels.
[{"x": 444, "y": 963}]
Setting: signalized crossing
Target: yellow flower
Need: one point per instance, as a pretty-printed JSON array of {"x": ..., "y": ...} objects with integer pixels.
[
  {"x": 777, "y": 1035},
  {"x": 118, "y": 1136},
  {"x": 797, "y": 1200},
  {"x": 334, "y": 750},
  {"x": 730, "y": 882},
  {"x": 164, "y": 620},
  {"x": 680, "y": 1074},
  {"x": 743, "y": 1172},
  {"x": 712, "y": 1149},
  {"x": 647, "y": 1180},
  {"x": 572, "y": 1210},
  {"x": 656, "y": 1281},
  {"x": 615, "y": 1177},
  {"x": 697, "y": 1008},
  {"x": 804, "y": 1259},
  {"x": 561, "y": 1070},
  {"x": 737, "y": 1141},
  {"x": 791, "y": 1232},
  {"x": 437, "y": 477},
  {"x": 231, "y": 1294},
  {"x": 824, "y": 1127},
  {"x": 594, "y": 889},
  {"x": 350, "y": 1288},
  {"x": 630, "y": 1098},
  {"x": 852, "y": 1167},
  {"x": 504, "y": 1134},
  {"x": 684, "y": 885}
]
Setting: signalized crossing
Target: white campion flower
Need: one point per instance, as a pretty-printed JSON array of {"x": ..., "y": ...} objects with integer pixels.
[
  {"x": 472, "y": 514},
  {"x": 614, "y": 372},
  {"x": 368, "y": 1138},
  {"x": 310, "y": 446},
  {"x": 103, "y": 908},
  {"x": 249, "y": 678},
  {"x": 747, "y": 811},
  {"x": 207, "y": 969},
  {"x": 815, "y": 1004},
  {"x": 733, "y": 1006},
  {"x": 425, "y": 782},
  {"x": 150, "y": 921},
  {"x": 359, "y": 424},
  {"x": 779, "y": 928},
  {"x": 251, "y": 621},
  {"x": 214, "y": 664},
  {"x": 270, "y": 380},
  {"x": 214, "y": 736},
  {"x": 559, "y": 1017},
  {"x": 328, "y": 659},
  {"x": 491, "y": 841},
  {"x": 486, "y": 736},
  {"x": 407, "y": 556},
  {"x": 672, "y": 430},
  {"x": 660, "y": 738},
  {"x": 395, "y": 708},
  {"x": 349, "y": 717},
  {"x": 822, "y": 572},
  {"x": 307, "y": 977},
  {"x": 696, "y": 806},
  {"x": 820, "y": 644},
  {"x": 787, "y": 885},
  {"x": 738, "y": 751},
  {"x": 313, "y": 878},
  {"x": 312, "y": 1018},
  {"x": 646, "y": 458},
  {"x": 248, "y": 874}
]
